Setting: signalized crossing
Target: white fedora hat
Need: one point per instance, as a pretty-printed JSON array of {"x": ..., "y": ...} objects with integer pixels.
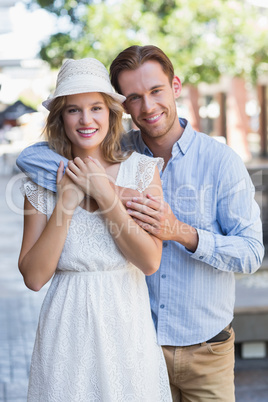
[{"x": 82, "y": 76}]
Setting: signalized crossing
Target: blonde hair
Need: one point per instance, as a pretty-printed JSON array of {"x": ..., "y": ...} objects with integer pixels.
[{"x": 54, "y": 131}]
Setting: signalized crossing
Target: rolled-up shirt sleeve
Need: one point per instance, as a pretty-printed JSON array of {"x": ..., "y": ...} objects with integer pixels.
[{"x": 40, "y": 164}]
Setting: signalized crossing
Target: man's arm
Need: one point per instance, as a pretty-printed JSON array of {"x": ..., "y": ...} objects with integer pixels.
[
  {"x": 236, "y": 246},
  {"x": 156, "y": 217},
  {"x": 41, "y": 163}
]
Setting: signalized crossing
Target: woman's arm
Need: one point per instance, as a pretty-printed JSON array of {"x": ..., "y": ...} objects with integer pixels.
[
  {"x": 139, "y": 247},
  {"x": 43, "y": 241}
]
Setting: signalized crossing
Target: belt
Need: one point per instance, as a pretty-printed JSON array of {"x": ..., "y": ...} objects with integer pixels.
[{"x": 222, "y": 336}]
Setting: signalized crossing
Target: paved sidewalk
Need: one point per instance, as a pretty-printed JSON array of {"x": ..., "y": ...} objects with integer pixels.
[
  {"x": 19, "y": 307},
  {"x": 19, "y": 310}
]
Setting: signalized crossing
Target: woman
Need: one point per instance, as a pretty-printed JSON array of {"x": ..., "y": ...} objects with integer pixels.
[{"x": 95, "y": 339}]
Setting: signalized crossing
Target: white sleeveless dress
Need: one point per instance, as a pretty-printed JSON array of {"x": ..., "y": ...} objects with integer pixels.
[{"x": 96, "y": 340}]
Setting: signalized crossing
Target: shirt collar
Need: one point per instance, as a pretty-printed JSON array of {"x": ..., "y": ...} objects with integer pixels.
[
  {"x": 142, "y": 147},
  {"x": 182, "y": 144},
  {"x": 186, "y": 138}
]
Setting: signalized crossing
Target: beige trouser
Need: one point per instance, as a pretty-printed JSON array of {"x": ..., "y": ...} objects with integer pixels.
[{"x": 202, "y": 372}]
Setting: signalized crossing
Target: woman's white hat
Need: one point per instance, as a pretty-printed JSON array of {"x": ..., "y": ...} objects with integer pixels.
[{"x": 82, "y": 76}]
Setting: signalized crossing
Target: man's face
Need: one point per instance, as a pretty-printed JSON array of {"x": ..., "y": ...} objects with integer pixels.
[{"x": 151, "y": 99}]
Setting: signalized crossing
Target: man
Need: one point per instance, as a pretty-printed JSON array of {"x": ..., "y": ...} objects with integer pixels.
[
  {"x": 209, "y": 223},
  {"x": 210, "y": 226}
]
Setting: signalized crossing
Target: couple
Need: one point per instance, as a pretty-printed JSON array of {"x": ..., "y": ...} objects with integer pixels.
[{"x": 96, "y": 340}]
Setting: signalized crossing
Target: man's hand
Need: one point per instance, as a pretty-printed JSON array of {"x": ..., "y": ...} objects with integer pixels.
[
  {"x": 125, "y": 194},
  {"x": 156, "y": 217},
  {"x": 153, "y": 215}
]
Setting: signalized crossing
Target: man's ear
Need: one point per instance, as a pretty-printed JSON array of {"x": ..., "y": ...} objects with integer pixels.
[{"x": 176, "y": 85}]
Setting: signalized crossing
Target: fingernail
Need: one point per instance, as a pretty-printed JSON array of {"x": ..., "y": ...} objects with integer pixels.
[
  {"x": 128, "y": 203},
  {"x": 134, "y": 199}
]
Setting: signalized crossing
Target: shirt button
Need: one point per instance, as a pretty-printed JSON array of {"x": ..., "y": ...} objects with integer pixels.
[
  {"x": 201, "y": 257},
  {"x": 164, "y": 276},
  {"x": 162, "y": 306},
  {"x": 164, "y": 244}
]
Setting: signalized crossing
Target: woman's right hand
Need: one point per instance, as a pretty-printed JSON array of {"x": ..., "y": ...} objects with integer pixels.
[{"x": 70, "y": 194}]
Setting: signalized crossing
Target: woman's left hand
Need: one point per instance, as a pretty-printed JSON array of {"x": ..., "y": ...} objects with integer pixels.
[{"x": 89, "y": 175}]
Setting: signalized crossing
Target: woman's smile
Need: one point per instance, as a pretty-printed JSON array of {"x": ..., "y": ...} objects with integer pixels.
[{"x": 87, "y": 132}]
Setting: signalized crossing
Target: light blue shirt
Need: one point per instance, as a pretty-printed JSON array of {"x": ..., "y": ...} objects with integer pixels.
[{"x": 208, "y": 187}]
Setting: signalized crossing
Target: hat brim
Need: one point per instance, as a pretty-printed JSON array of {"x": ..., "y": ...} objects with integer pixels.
[{"x": 119, "y": 98}]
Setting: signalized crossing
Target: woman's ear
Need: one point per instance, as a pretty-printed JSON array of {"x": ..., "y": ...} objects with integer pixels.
[{"x": 176, "y": 85}]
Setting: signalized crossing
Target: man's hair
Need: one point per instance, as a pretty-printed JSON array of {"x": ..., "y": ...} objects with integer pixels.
[{"x": 133, "y": 57}]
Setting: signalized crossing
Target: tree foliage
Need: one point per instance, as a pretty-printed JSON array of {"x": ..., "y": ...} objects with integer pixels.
[{"x": 204, "y": 39}]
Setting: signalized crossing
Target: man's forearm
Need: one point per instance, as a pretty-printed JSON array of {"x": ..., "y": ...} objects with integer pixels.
[{"x": 184, "y": 234}]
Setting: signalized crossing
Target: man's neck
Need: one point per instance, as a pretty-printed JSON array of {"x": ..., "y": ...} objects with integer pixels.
[{"x": 162, "y": 146}]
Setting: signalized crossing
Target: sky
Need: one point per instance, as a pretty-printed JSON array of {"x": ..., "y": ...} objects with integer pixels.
[{"x": 28, "y": 29}]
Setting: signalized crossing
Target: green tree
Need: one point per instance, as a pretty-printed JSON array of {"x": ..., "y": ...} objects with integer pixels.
[{"x": 204, "y": 39}]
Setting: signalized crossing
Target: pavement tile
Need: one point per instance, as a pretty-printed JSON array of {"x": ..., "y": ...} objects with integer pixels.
[
  {"x": 19, "y": 307},
  {"x": 258, "y": 379},
  {"x": 252, "y": 395}
]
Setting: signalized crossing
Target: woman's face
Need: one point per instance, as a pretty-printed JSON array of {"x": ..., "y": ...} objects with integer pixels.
[{"x": 86, "y": 122}]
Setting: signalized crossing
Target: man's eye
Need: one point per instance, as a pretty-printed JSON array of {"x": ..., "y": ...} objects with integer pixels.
[
  {"x": 133, "y": 98},
  {"x": 155, "y": 91}
]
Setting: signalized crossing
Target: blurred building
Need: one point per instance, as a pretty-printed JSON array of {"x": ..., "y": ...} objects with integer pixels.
[{"x": 5, "y": 20}]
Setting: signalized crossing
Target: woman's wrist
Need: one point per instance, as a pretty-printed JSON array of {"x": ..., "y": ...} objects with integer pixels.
[
  {"x": 66, "y": 206},
  {"x": 107, "y": 199}
]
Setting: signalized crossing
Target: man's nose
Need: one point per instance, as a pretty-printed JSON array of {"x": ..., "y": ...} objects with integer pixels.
[{"x": 147, "y": 104}]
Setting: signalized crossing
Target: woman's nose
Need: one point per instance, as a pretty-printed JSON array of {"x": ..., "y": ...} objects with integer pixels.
[{"x": 86, "y": 117}]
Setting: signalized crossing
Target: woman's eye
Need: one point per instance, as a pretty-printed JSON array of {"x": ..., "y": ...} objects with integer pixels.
[
  {"x": 96, "y": 108},
  {"x": 72, "y": 110}
]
